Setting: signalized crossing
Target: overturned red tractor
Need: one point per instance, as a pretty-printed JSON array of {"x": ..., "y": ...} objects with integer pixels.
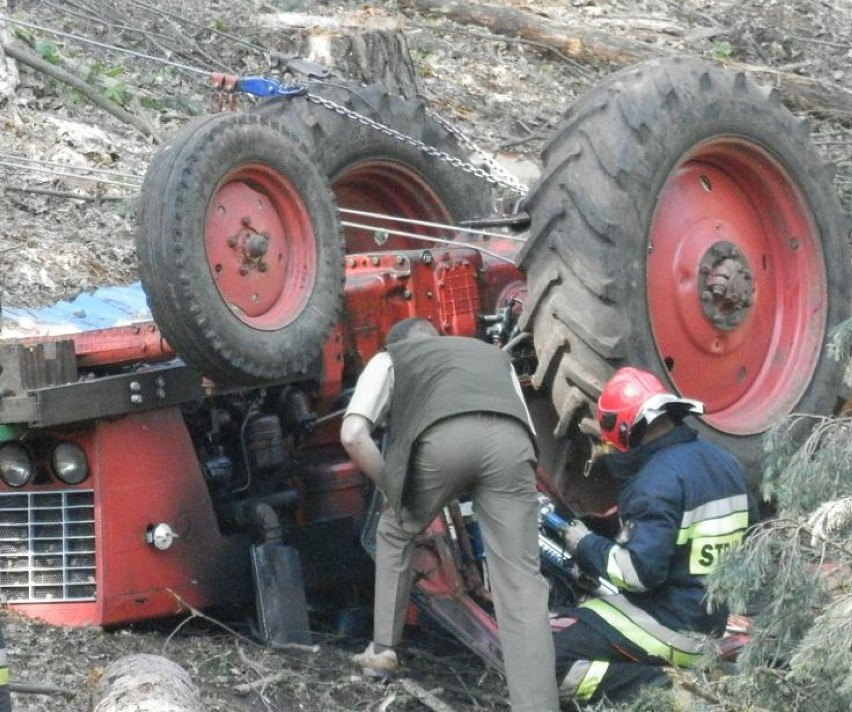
[{"x": 683, "y": 222}]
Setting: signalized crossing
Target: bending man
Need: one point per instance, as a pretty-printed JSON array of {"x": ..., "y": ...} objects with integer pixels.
[{"x": 457, "y": 424}]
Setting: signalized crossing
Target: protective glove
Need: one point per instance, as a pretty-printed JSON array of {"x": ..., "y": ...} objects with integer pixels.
[{"x": 572, "y": 534}]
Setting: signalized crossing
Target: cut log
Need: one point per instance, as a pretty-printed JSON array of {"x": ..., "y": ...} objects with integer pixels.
[
  {"x": 145, "y": 683},
  {"x": 580, "y": 42},
  {"x": 366, "y": 49},
  {"x": 8, "y": 68},
  {"x": 588, "y": 44}
]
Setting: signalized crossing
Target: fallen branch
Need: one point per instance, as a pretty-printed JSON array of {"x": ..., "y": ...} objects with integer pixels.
[
  {"x": 65, "y": 194},
  {"x": 195, "y": 613},
  {"x": 425, "y": 697},
  {"x": 24, "y": 56},
  {"x": 587, "y": 44},
  {"x": 246, "y": 687}
]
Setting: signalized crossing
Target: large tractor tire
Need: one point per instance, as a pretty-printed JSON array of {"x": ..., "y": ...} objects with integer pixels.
[
  {"x": 685, "y": 223},
  {"x": 369, "y": 144},
  {"x": 240, "y": 249}
]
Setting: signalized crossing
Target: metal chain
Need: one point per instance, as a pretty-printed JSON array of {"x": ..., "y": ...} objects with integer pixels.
[
  {"x": 495, "y": 175},
  {"x": 500, "y": 174}
]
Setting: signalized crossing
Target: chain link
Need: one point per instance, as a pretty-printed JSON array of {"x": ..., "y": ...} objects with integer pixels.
[
  {"x": 494, "y": 175},
  {"x": 499, "y": 174}
]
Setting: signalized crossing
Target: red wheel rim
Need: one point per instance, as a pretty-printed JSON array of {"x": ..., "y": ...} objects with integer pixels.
[
  {"x": 736, "y": 285},
  {"x": 391, "y": 189},
  {"x": 260, "y": 245}
]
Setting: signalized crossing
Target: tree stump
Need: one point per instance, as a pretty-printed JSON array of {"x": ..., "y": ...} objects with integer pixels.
[
  {"x": 367, "y": 50},
  {"x": 145, "y": 683},
  {"x": 8, "y": 68}
]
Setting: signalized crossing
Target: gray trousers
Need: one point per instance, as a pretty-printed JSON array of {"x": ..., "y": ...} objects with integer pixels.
[{"x": 489, "y": 457}]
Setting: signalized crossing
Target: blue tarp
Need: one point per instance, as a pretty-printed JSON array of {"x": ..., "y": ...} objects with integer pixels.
[{"x": 101, "y": 309}]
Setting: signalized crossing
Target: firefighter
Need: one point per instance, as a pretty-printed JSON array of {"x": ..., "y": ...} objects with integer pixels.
[
  {"x": 458, "y": 425},
  {"x": 685, "y": 501}
]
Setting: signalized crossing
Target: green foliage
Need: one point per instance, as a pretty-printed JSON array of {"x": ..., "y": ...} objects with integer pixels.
[
  {"x": 219, "y": 24},
  {"x": 105, "y": 76},
  {"x": 794, "y": 569},
  {"x": 22, "y": 33},
  {"x": 119, "y": 93},
  {"x": 807, "y": 462},
  {"x": 648, "y": 699},
  {"x": 48, "y": 51},
  {"x": 721, "y": 50}
]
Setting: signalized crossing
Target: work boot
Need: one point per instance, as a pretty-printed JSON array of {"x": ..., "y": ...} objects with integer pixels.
[{"x": 382, "y": 664}]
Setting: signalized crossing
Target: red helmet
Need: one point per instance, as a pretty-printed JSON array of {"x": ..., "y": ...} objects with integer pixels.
[{"x": 632, "y": 396}]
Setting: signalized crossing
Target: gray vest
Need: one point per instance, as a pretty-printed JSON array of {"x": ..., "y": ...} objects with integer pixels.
[{"x": 436, "y": 378}]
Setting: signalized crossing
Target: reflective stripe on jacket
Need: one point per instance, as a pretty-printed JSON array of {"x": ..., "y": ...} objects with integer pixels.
[{"x": 687, "y": 504}]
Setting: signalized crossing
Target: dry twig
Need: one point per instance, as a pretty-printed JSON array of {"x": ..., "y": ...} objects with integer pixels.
[{"x": 432, "y": 701}]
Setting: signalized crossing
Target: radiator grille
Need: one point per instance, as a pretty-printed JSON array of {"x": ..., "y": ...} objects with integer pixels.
[{"x": 47, "y": 546}]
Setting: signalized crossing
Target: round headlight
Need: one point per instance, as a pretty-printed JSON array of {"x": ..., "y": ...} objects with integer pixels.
[
  {"x": 69, "y": 463},
  {"x": 16, "y": 469}
]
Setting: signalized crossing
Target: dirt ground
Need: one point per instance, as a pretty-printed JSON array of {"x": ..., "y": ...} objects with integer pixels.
[{"x": 508, "y": 95}]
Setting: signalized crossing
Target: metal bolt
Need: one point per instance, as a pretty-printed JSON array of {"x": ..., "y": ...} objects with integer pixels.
[
  {"x": 263, "y": 266},
  {"x": 374, "y": 260},
  {"x": 353, "y": 262},
  {"x": 244, "y": 270},
  {"x": 161, "y": 382},
  {"x": 406, "y": 294},
  {"x": 161, "y": 393},
  {"x": 135, "y": 386},
  {"x": 426, "y": 257},
  {"x": 794, "y": 243},
  {"x": 232, "y": 242},
  {"x": 136, "y": 399},
  {"x": 428, "y": 294},
  {"x": 706, "y": 296},
  {"x": 400, "y": 259},
  {"x": 246, "y": 221}
]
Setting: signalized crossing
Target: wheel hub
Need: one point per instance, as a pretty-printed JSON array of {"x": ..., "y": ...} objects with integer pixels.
[
  {"x": 251, "y": 247},
  {"x": 726, "y": 286}
]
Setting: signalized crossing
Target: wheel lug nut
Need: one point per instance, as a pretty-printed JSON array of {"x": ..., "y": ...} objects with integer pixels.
[
  {"x": 263, "y": 267},
  {"x": 244, "y": 270}
]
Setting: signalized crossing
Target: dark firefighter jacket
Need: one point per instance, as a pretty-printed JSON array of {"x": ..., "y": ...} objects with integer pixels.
[
  {"x": 436, "y": 378},
  {"x": 687, "y": 504}
]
